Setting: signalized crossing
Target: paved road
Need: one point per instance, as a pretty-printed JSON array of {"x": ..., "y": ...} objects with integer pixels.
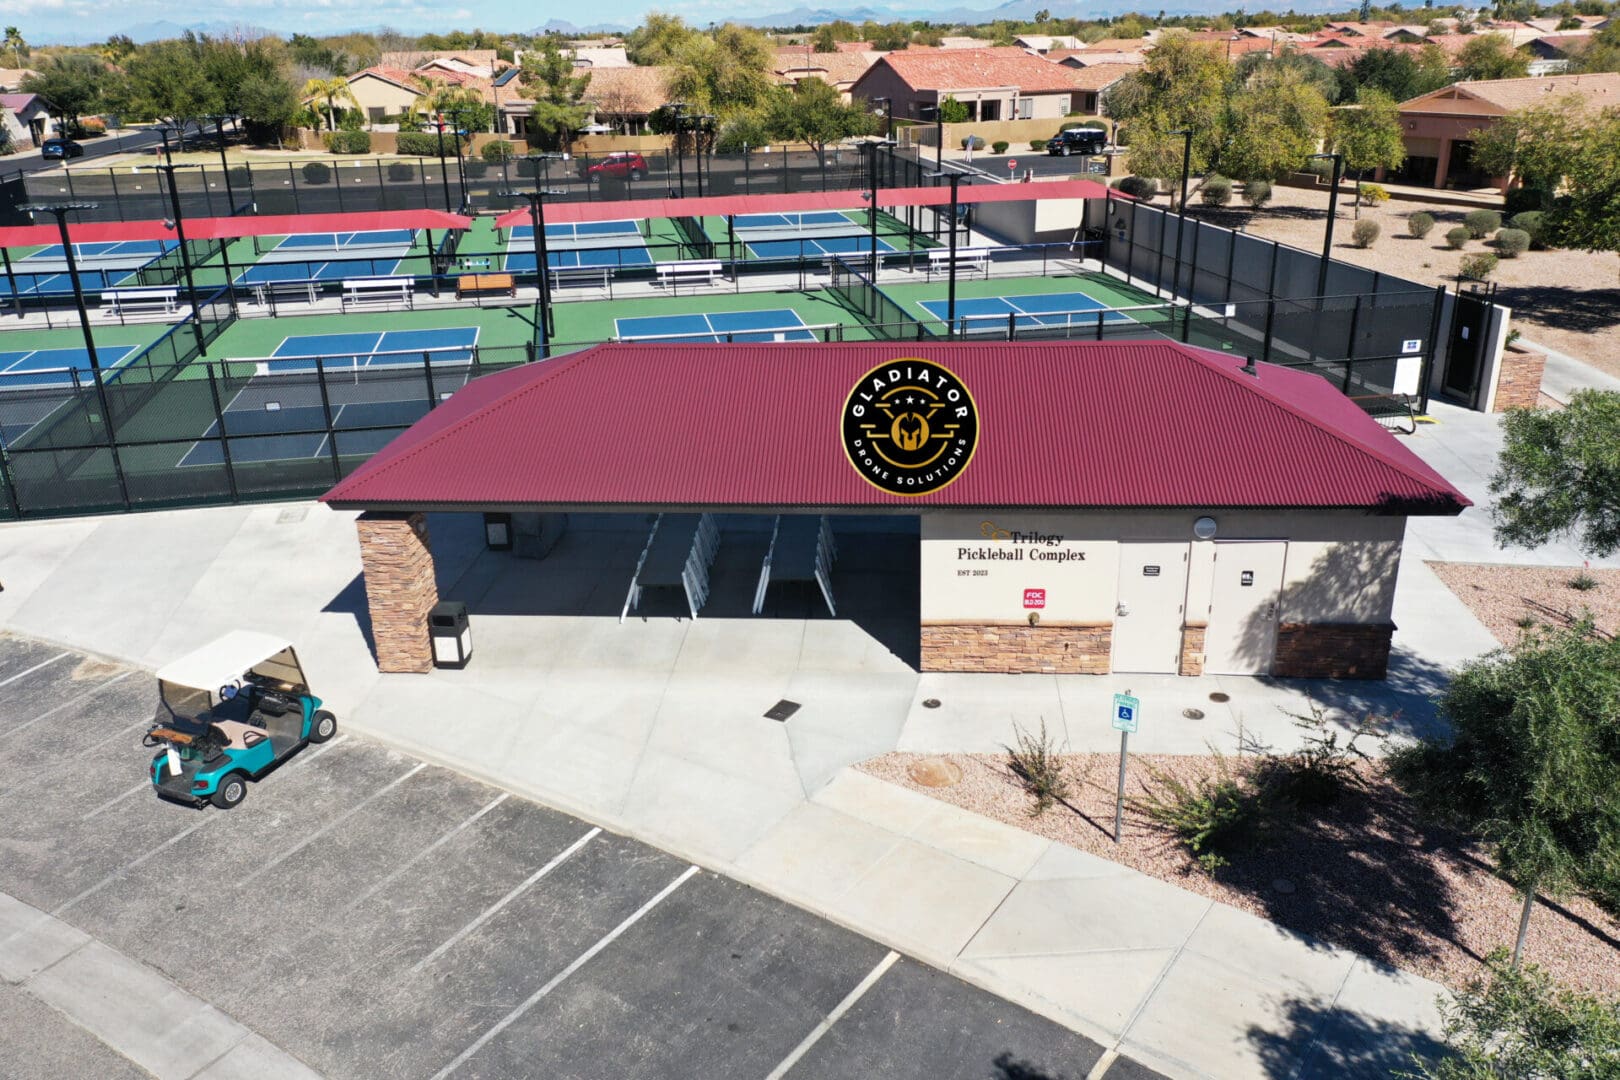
[
  {"x": 117, "y": 143},
  {"x": 374, "y": 916}
]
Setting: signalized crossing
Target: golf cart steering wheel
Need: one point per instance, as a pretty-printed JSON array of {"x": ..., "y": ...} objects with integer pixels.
[{"x": 229, "y": 690}]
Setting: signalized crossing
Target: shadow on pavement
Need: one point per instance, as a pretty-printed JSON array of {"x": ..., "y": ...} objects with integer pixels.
[{"x": 1339, "y": 1045}]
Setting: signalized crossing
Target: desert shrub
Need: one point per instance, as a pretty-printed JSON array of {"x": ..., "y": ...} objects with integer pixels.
[
  {"x": 350, "y": 142},
  {"x": 400, "y": 170},
  {"x": 1477, "y": 267},
  {"x": 1217, "y": 191},
  {"x": 973, "y": 142},
  {"x": 92, "y": 125},
  {"x": 497, "y": 152},
  {"x": 1036, "y": 763},
  {"x": 1520, "y": 199},
  {"x": 1582, "y": 582},
  {"x": 425, "y": 144},
  {"x": 1512, "y": 243},
  {"x": 999, "y": 146},
  {"x": 1212, "y": 816},
  {"x": 1139, "y": 187},
  {"x": 1364, "y": 232},
  {"x": 316, "y": 172},
  {"x": 1533, "y": 222},
  {"x": 475, "y": 168},
  {"x": 1257, "y": 193},
  {"x": 1481, "y": 223},
  {"x": 1420, "y": 224},
  {"x": 1372, "y": 194},
  {"x": 1323, "y": 767},
  {"x": 1457, "y": 236},
  {"x": 1038, "y": 145},
  {"x": 1322, "y": 170},
  {"x": 1100, "y": 125}
]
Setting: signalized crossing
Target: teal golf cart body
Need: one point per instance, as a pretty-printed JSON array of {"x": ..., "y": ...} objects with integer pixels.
[{"x": 229, "y": 713}]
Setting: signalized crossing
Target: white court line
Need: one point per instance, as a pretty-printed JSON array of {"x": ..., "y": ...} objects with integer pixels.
[
  {"x": 424, "y": 853},
  {"x": 558, "y": 979},
  {"x": 115, "y": 800},
  {"x": 36, "y": 667},
  {"x": 833, "y": 1017},
  {"x": 491, "y": 911},
  {"x": 66, "y": 704},
  {"x": 332, "y": 824}
]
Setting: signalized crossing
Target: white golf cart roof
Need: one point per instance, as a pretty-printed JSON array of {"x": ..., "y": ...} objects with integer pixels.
[{"x": 223, "y": 660}]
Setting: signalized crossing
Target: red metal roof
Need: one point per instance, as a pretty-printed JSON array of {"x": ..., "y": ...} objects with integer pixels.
[
  {"x": 90, "y": 232},
  {"x": 1104, "y": 424},
  {"x": 721, "y": 205}
]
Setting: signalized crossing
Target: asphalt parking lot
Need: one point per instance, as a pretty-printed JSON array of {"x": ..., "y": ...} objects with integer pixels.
[{"x": 375, "y": 916}]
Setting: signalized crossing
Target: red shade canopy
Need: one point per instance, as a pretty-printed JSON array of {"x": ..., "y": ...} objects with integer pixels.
[{"x": 93, "y": 232}]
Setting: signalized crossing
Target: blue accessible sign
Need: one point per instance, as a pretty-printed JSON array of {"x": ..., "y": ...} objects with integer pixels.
[{"x": 1127, "y": 712}]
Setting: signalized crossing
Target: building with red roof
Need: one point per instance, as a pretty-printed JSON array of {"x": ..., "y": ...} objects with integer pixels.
[
  {"x": 1138, "y": 506},
  {"x": 1001, "y": 83}
]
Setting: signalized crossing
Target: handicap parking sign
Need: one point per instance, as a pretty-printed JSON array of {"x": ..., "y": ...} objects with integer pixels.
[{"x": 1127, "y": 711}]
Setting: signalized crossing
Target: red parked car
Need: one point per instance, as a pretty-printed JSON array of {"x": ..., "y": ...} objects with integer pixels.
[{"x": 620, "y": 164}]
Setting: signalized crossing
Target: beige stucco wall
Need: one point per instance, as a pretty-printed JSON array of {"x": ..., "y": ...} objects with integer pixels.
[{"x": 373, "y": 93}]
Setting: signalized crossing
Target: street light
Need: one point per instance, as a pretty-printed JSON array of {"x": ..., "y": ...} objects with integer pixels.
[
  {"x": 939, "y": 133},
  {"x": 704, "y": 125},
  {"x": 950, "y": 301},
  {"x": 167, "y": 169},
  {"x": 537, "y": 215},
  {"x": 871, "y": 149},
  {"x": 1181, "y": 222},
  {"x": 444, "y": 172},
  {"x": 678, "y": 113},
  {"x": 1333, "y": 212},
  {"x": 456, "y": 113},
  {"x": 61, "y": 211},
  {"x": 888, "y": 115}
]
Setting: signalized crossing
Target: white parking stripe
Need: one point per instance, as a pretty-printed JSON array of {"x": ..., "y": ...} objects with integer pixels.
[
  {"x": 833, "y": 1017},
  {"x": 116, "y": 799},
  {"x": 424, "y": 853},
  {"x": 558, "y": 979},
  {"x": 490, "y": 912},
  {"x": 30, "y": 671},
  {"x": 68, "y": 704},
  {"x": 332, "y": 824}
]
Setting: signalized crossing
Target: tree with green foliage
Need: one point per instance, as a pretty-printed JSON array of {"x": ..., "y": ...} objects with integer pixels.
[
  {"x": 331, "y": 90},
  {"x": 1368, "y": 134},
  {"x": 723, "y": 73},
  {"x": 71, "y": 82},
  {"x": 461, "y": 107},
  {"x": 1532, "y": 765},
  {"x": 1182, "y": 85},
  {"x": 1491, "y": 56},
  {"x": 659, "y": 39},
  {"x": 1601, "y": 51},
  {"x": 1587, "y": 214},
  {"x": 813, "y": 112},
  {"x": 1558, "y": 474},
  {"x": 1253, "y": 65},
  {"x": 952, "y": 111},
  {"x": 1536, "y": 145},
  {"x": 1520, "y": 1025},
  {"x": 116, "y": 49},
  {"x": 891, "y": 38},
  {"x": 266, "y": 103},
  {"x": 558, "y": 90},
  {"x": 167, "y": 81},
  {"x": 1276, "y": 121},
  {"x": 16, "y": 45},
  {"x": 824, "y": 41},
  {"x": 1399, "y": 73},
  {"x": 256, "y": 65}
]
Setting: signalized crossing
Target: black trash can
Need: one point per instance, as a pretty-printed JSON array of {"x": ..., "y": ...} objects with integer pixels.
[{"x": 452, "y": 636}]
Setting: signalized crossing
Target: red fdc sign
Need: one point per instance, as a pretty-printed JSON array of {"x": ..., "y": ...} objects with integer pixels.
[{"x": 1034, "y": 598}]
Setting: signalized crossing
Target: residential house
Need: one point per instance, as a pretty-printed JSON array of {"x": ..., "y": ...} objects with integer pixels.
[
  {"x": 620, "y": 98},
  {"x": 1438, "y": 127},
  {"x": 596, "y": 58},
  {"x": 1091, "y": 83},
  {"x": 1041, "y": 44},
  {"x": 25, "y": 120},
  {"x": 949, "y": 42},
  {"x": 994, "y": 83},
  {"x": 11, "y": 79},
  {"x": 477, "y": 61},
  {"x": 1357, "y": 29},
  {"x": 381, "y": 93},
  {"x": 841, "y": 69},
  {"x": 1084, "y": 58}
]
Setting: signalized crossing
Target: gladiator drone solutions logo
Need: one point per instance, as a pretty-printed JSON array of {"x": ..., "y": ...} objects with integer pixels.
[{"x": 910, "y": 427}]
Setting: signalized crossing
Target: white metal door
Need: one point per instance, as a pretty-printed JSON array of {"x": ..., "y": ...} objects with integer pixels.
[
  {"x": 1242, "y": 634},
  {"x": 1147, "y": 618}
]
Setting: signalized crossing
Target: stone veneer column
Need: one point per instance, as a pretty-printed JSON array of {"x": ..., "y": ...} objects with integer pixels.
[
  {"x": 1018, "y": 648},
  {"x": 400, "y": 588},
  {"x": 1192, "y": 648},
  {"x": 1518, "y": 379},
  {"x": 1332, "y": 650}
]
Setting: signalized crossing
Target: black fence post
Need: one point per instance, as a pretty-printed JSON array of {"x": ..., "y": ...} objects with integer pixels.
[
  {"x": 118, "y": 204},
  {"x": 112, "y": 436},
  {"x": 224, "y": 443},
  {"x": 1433, "y": 346},
  {"x": 13, "y": 508},
  {"x": 326, "y": 411},
  {"x": 1350, "y": 353}
]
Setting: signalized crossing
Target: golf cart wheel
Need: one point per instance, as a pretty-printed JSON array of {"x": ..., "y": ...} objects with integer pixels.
[
  {"x": 231, "y": 791},
  {"x": 1065, "y": 151},
  {"x": 322, "y": 727}
]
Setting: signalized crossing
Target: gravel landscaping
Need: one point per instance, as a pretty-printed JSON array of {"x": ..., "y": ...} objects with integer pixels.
[
  {"x": 1365, "y": 874},
  {"x": 1512, "y": 599}
]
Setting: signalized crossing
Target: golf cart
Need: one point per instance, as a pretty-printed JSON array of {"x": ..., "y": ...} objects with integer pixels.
[{"x": 227, "y": 714}]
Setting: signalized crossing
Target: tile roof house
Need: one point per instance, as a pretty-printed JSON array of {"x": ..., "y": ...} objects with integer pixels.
[
  {"x": 25, "y": 121},
  {"x": 597, "y": 58},
  {"x": 1091, "y": 83},
  {"x": 840, "y": 69},
  {"x": 1084, "y": 58},
  {"x": 623, "y": 98},
  {"x": 11, "y": 78},
  {"x": 994, "y": 83},
  {"x": 410, "y": 60}
]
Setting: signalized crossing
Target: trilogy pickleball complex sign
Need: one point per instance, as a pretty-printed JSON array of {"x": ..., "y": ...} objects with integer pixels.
[{"x": 910, "y": 426}]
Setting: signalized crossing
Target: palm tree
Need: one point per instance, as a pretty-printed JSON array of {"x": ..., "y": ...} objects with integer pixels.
[
  {"x": 333, "y": 90},
  {"x": 15, "y": 42}
]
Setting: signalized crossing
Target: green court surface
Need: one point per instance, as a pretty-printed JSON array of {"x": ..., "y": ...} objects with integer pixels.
[
  {"x": 503, "y": 333},
  {"x": 588, "y": 322},
  {"x": 892, "y": 232},
  {"x": 1107, "y": 291},
  {"x": 71, "y": 337}
]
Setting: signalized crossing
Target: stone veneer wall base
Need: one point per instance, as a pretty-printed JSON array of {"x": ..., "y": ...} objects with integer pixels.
[
  {"x": 1332, "y": 650},
  {"x": 400, "y": 588},
  {"x": 1015, "y": 648}
]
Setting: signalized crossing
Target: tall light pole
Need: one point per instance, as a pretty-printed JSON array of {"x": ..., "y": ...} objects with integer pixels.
[
  {"x": 1333, "y": 213},
  {"x": 939, "y": 133},
  {"x": 168, "y": 169},
  {"x": 456, "y": 113},
  {"x": 542, "y": 258},
  {"x": 230, "y": 193},
  {"x": 444, "y": 170},
  {"x": 704, "y": 127},
  {"x": 1181, "y": 222},
  {"x": 872, "y": 196},
  {"x": 950, "y": 302},
  {"x": 60, "y": 211}
]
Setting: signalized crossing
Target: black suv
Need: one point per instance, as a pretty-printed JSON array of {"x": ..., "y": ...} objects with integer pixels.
[{"x": 1077, "y": 141}]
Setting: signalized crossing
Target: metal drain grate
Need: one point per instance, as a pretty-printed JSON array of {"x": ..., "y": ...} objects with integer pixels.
[
  {"x": 1193, "y": 714},
  {"x": 782, "y": 710},
  {"x": 1219, "y": 697}
]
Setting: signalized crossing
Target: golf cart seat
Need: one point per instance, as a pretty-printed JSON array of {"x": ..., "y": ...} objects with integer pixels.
[{"x": 239, "y": 736}]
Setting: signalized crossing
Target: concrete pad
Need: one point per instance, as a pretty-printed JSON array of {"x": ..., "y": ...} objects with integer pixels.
[
  {"x": 979, "y": 713},
  {"x": 691, "y": 808},
  {"x": 715, "y": 724},
  {"x": 137, "y": 1012},
  {"x": 1264, "y": 950},
  {"x": 1382, "y": 1019},
  {"x": 978, "y": 839},
  {"x": 723, "y": 647},
  {"x": 819, "y": 758},
  {"x": 256, "y": 1059},
  {"x": 814, "y": 854},
  {"x": 1060, "y": 861},
  {"x": 31, "y": 552},
  {"x": 878, "y": 802},
  {"x": 31, "y": 940},
  {"x": 1097, "y": 992},
  {"x": 621, "y": 708},
  {"x": 576, "y": 766},
  {"x": 42, "y": 1044},
  {"x": 1084, "y": 915},
  {"x": 1385, "y": 994},
  {"x": 842, "y": 646},
  {"x": 923, "y": 900}
]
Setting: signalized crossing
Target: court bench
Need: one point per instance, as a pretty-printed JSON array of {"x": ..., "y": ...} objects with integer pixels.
[
  {"x": 478, "y": 284},
  {"x": 970, "y": 259},
  {"x": 129, "y": 301},
  {"x": 378, "y": 290},
  {"x": 581, "y": 275},
  {"x": 266, "y": 292},
  {"x": 694, "y": 271}
]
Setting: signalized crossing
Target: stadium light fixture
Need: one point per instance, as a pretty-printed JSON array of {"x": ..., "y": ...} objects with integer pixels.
[{"x": 60, "y": 211}]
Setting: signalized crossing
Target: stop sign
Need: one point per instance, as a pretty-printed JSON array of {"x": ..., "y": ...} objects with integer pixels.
[{"x": 1012, "y": 164}]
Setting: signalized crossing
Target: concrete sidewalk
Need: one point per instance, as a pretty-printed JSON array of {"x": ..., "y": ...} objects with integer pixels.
[{"x": 654, "y": 728}]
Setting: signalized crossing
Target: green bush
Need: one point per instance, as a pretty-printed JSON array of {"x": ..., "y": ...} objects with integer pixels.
[
  {"x": 474, "y": 168},
  {"x": 1457, "y": 236},
  {"x": 1100, "y": 125},
  {"x": 999, "y": 146},
  {"x": 1213, "y": 815},
  {"x": 1217, "y": 191},
  {"x": 1323, "y": 768},
  {"x": 1512, "y": 242},
  {"x": 1364, "y": 232},
  {"x": 526, "y": 167},
  {"x": 1257, "y": 192},
  {"x": 972, "y": 142},
  {"x": 1481, "y": 223},
  {"x": 425, "y": 144},
  {"x": 1420, "y": 224},
  {"x": 1139, "y": 187},
  {"x": 1036, "y": 763},
  {"x": 1533, "y": 222},
  {"x": 316, "y": 172},
  {"x": 400, "y": 171},
  {"x": 497, "y": 152},
  {"x": 350, "y": 142},
  {"x": 1038, "y": 145},
  {"x": 1520, "y": 199},
  {"x": 1322, "y": 170},
  {"x": 1477, "y": 267},
  {"x": 1372, "y": 194}
]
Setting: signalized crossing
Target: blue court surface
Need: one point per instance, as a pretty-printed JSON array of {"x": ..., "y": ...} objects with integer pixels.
[
  {"x": 450, "y": 345},
  {"x": 808, "y": 248},
  {"x": 315, "y": 270},
  {"x": 990, "y": 314},
  {"x": 812, "y": 219},
  {"x": 581, "y": 230},
  {"x": 132, "y": 252},
  {"x": 780, "y": 324},
  {"x": 339, "y": 241},
  {"x": 254, "y": 423},
  {"x": 60, "y": 284},
  {"x": 33, "y": 368},
  {"x": 526, "y": 261}
]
